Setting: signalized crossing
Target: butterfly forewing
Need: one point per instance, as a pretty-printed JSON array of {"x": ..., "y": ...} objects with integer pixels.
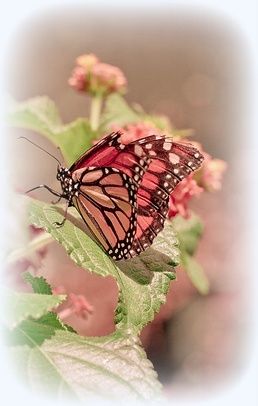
[{"x": 170, "y": 163}]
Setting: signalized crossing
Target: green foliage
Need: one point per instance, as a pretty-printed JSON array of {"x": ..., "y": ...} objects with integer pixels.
[
  {"x": 38, "y": 283},
  {"x": 54, "y": 357},
  {"x": 142, "y": 283},
  {"x": 104, "y": 367},
  {"x": 189, "y": 233},
  {"x": 43, "y": 347},
  {"x": 40, "y": 115},
  {"x": 117, "y": 111},
  {"x": 33, "y": 332},
  {"x": 20, "y": 306},
  {"x": 33, "y": 323},
  {"x": 196, "y": 273}
]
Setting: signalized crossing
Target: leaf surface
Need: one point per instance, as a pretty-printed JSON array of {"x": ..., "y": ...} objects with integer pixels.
[
  {"x": 20, "y": 306},
  {"x": 189, "y": 231},
  {"x": 110, "y": 367},
  {"x": 41, "y": 115},
  {"x": 143, "y": 282}
]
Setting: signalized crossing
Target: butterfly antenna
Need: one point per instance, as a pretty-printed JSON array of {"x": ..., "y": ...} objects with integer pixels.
[{"x": 42, "y": 149}]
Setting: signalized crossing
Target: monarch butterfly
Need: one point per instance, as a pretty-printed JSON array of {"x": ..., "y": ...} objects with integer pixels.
[{"x": 121, "y": 190}]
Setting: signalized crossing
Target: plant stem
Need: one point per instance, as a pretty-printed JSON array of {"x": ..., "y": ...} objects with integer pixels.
[
  {"x": 36, "y": 243},
  {"x": 95, "y": 110}
]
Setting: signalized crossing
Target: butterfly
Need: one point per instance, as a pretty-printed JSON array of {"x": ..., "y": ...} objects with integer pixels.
[{"x": 121, "y": 190}]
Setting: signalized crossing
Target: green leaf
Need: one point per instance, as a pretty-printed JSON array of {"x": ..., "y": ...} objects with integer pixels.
[
  {"x": 20, "y": 306},
  {"x": 79, "y": 246},
  {"x": 117, "y": 111},
  {"x": 143, "y": 282},
  {"x": 189, "y": 232},
  {"x": 196, "y": 273},
  {"x": 137, "y": 304},
  {"x": 38, "y": 283},
  {"x": 40, "y": 115},
  {"x": 167, "y": 243},
  {"x": 159, "y": 121},
  {"x": 88, "y": 368},
  {"x": 34, "y": 332},
  {"x": 74, "y": 139}
]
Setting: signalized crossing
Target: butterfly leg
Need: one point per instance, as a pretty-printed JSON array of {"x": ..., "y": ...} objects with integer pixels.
[
  {"x": 56, "y": 201},
  {"x": 61, "y": 223}
]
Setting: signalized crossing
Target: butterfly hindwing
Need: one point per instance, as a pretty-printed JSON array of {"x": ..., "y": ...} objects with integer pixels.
[{"x": 107, "y": 201}]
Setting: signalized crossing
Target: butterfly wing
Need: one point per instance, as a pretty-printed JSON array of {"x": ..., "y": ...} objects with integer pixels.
[
  {"x": 154, "y": 165},
  {"x": 170, "y": 163},
  {"x": 107, "y": 202},
  {"x": 101, "y": 154}
]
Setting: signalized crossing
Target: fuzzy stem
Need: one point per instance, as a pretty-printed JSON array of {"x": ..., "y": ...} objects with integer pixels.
[
  {"x": 37, "y": 243},
  {"x": 95, "y": 111}
]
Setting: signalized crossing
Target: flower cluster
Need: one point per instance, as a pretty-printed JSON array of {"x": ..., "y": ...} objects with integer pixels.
[
  {"x": 211, "y": 173},
  {"x": 181, "y": 196},
  {"x": 133, "y": 132},
  {"x": 95, "y": 77}
]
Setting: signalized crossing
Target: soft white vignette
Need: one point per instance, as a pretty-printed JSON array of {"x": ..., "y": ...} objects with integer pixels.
[{"x": 243, "y": 14}]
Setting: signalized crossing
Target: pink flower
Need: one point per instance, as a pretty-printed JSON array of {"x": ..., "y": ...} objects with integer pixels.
[
  {"x": 92, "y": 76},
  {"x": 211, "y": 174},
  {"x": 179, "y": 198},
  {"x": 133, "y": 132},
  {"x": 78, "y": 80},
  {"x": 76, "y": 304},
  {"x": 87, "y": 61},
  {"x": 107, "y": 78},
  {"x": 80, "y": 305}
]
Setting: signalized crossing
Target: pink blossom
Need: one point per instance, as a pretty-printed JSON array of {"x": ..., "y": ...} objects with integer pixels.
[
  {"x": 92, "y": 76},
  {"x": 76, "y": 304},
  {"x": 211, "y": 174},
  {"x": 78, "y": 80},
  {"x": 87, "y": 61},
  {"x": 179, "y": 198},
  {"x": 107, "y": 78},
  {"x": 133, "y": 132}
]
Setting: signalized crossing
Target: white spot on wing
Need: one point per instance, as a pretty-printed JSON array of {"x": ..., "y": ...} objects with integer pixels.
[
  {"x": 167, "y": 146},
  {"x": 174, "y": 159},
  {"x": 138, "y": 150}
]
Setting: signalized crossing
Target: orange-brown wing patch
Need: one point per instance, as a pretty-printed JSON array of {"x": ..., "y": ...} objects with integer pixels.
[{"x": 108, "y": 203}]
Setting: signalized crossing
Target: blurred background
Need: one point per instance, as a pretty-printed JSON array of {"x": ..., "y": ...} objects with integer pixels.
[{"x": 192, "y": 66}]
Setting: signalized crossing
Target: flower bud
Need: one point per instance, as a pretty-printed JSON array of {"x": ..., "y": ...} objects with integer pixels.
[{"x": 97, "y": 78}]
